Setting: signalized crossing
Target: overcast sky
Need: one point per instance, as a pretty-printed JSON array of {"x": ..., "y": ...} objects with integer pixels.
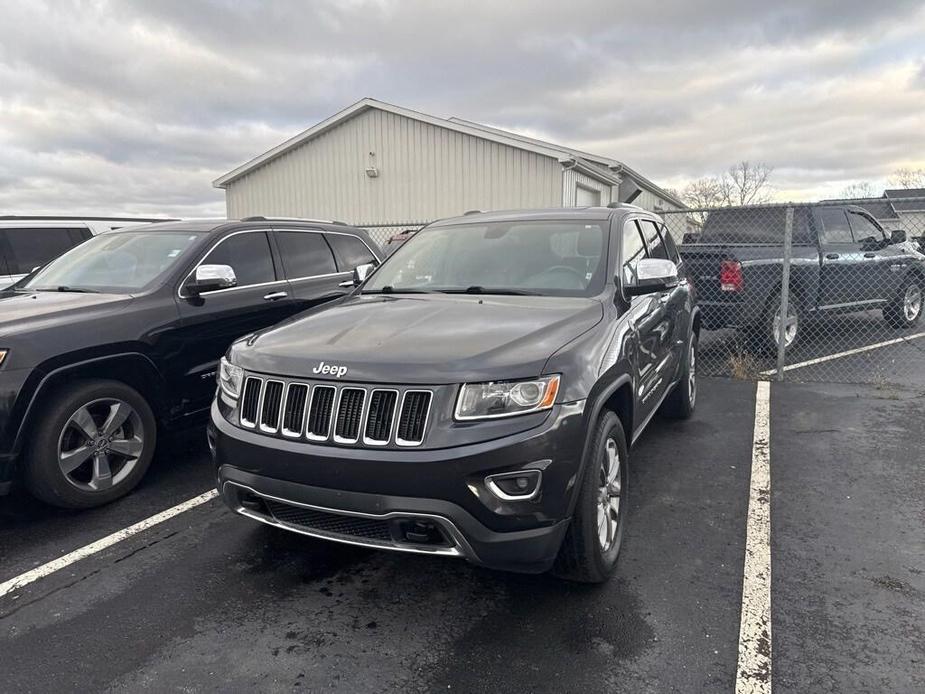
[{"x": 135, "y": 107}]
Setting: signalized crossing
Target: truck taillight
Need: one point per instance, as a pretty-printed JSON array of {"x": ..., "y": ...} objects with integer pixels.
[{"x": 730, "y": 276}]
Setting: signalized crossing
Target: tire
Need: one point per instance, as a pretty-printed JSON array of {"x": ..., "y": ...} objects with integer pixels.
[
  {"x": 764, "y": 335},
  {"x": 905, "y": 309},
  {"x": 583, "y": 557},
  {"x": 124, "y": 434},
  {"x": 681, "y": 401}
]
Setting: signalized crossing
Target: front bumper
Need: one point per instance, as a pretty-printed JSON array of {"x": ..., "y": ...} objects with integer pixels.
[{"x": 371, "y": 497}]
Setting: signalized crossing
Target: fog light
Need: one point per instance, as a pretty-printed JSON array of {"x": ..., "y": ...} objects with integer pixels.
[{"x": 515, "y": 486}]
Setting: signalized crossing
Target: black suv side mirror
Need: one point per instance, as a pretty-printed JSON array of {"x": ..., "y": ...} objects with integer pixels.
[
  {"x": 210, "y": 278},
  {"x": 897, "y": 236},
  {"x": 652, "y": 275},
  {"x": 360, "y": 273}
]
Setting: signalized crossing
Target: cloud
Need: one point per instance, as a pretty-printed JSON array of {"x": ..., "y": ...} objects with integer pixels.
[{"x": 134, "y": 107}]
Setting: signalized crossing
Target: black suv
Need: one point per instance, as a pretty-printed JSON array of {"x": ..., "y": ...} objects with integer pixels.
[
  {"x": 474, "y": 397},
  {"x": 122, "y": 335}
]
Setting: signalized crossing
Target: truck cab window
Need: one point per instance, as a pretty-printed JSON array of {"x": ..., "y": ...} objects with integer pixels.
[{"x": 835, "y": 225}]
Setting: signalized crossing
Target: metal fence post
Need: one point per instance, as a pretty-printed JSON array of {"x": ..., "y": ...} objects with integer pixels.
[{"x": 785, "y": 294}]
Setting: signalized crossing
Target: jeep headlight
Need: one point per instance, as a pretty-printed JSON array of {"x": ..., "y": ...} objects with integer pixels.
[
  {"x": 230, "y": 378},
  {"x": 506, "y": 398}
]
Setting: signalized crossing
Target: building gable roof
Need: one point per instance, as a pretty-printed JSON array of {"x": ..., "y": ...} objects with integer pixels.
[{"x": 603, "y": 168}]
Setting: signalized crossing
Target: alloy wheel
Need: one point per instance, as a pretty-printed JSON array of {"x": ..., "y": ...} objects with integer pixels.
[
  {"x": 609, "y": 496},
  {"x": 100, "y": 444},
  {"x": 791, "y": 326},
  {"x": 912, "y": 302},
  {"x": 692, "y": 372}
]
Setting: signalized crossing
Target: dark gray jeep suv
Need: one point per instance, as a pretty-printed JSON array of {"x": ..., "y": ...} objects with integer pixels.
[{"x": 474, "y": 397}]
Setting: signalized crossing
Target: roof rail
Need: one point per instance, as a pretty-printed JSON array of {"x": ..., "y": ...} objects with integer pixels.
[
  {"x": 468, "y": 212},
  {"x": 261, "y": 218}
]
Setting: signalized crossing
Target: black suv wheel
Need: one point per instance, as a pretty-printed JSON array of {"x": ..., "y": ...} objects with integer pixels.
[
  {"x": 594, "y": 537},
  {"x": 93, "y": 444},
  {"x": 682, "y": 400}
]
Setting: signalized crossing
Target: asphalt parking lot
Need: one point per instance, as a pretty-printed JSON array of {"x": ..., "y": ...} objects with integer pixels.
[{"x": 207, "y": 601}]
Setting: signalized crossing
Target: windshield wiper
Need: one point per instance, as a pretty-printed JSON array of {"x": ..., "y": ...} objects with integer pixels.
[
  {"x": 478, "y": 289},
  {"x": 62, "y": 288},
  {"x": 389, "y": 289}
]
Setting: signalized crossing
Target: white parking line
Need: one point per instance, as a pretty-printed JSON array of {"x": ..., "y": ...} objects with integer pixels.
[
  {"x": 846, "y": 353},
  {"x": 103, "y": 543},
  {"x": 753, "y": 674}
]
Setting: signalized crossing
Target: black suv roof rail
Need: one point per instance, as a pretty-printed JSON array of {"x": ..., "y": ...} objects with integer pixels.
[
  {"x": 87, "y": 218},
  {"x": 468, "y": 212},
  {"x": 261, "y": 218}
]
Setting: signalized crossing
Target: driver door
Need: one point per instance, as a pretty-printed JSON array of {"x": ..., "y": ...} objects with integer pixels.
[{"x": 210, "y": 322}]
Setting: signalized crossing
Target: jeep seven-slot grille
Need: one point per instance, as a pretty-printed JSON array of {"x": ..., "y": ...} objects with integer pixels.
[{"x": 348, "y": 414}]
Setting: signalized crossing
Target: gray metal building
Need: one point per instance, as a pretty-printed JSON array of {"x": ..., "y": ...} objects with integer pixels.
[{"x": 387, "y": 168}]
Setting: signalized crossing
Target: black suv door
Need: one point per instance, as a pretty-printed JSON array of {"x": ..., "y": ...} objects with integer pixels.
[
  {"x": 310, "y": 267},
  {"x": 213, "y": 320}
]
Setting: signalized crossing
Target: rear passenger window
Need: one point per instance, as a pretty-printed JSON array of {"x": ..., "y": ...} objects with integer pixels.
[
  {"x": 351, "y": 252},
  {"x": 653, "y": 239},
  {"x": 305, "y": 254},
  {"x": 835, "y": 225},
  {"x": 30, "y": 248},
  {"x": 248, "y": 255}
]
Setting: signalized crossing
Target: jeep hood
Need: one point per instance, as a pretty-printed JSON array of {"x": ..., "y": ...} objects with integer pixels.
[
  {"x": 23, "y": 313},
  {"x": 432, "y": 339}
]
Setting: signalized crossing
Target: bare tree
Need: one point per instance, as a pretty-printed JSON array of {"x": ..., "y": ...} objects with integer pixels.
[
  {"x": 746, "y": 183},
  {"x": 704, "y": 192},
  {"x": 861, "y": 189},
  {"x": 908, "y": 178}
]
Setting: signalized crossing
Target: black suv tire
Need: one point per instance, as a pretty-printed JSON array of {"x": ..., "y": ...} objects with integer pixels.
[
  {"x": 581, "y": 557},
  {"x": 681, "y": 401},
  {"x": 896, "y": 313},
  {"x": 74, "y": 422}
]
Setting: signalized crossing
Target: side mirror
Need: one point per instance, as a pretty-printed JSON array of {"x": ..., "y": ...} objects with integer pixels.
[
  {"x": 210, "y": 278},
  {"x": 360, "y": 273},
  {"x": 652, "y": 275},
  {"x": 897, "y": 236}
]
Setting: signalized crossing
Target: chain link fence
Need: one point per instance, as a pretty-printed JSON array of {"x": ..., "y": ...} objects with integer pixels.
[
  {"x": 828, "y": 291},
  {"x": 381, "y": 233}
]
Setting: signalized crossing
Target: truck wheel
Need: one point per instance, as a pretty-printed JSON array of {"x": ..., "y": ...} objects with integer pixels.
[
  {"x": 765, "y": 335},
  {"x": 592, "y": 543},
  {"x": 92, "y": 444},
  {"x": 680, "y": 403},
  {"x": 905, "y": 309}
]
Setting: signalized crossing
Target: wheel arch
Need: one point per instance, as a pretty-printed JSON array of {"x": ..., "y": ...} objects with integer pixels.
[{"x": 132, "y": 368}]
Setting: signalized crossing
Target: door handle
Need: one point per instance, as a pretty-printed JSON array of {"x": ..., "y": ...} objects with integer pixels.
[
  {"x": 274, "y": 296},
  {"x": 663, "y": 299},
  {"x": 870, "y": 255},
  {"x": 832, "y": 256},
  {"x": 348, "y": 283}
]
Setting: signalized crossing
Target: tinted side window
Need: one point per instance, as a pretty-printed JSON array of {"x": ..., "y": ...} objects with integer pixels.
[
  {"x": 835, "y": 225},
  {"x": 633, "y": 250},
  {"x": 653, "y": 239},
  {"x": 351, "y": 252},
  {"x": 863, "y": 228},
  {"x": 670, "y": 246},
  {"x": 305, "y": 254},
  {"x": 248, "y": 255},
  {"x": 30, "y": 248}
]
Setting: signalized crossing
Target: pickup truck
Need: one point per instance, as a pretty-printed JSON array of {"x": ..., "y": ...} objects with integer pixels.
[{"x": 842, "y": 261}]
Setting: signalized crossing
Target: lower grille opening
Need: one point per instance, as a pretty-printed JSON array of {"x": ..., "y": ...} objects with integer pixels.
[{"x": 365, "y": 528}]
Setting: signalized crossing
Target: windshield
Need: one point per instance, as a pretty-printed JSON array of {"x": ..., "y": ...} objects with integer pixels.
[
  {"x": 125, "y": 261},
  {"x": 561, "y": 258}
]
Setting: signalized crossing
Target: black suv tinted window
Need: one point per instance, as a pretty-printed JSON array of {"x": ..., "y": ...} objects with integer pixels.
[
  {"x": 351, "y": 252},
  {"x": 835, "y": 225},
  {"x": 305, "y": 254},
  {"x": 249, "y": 256},
  {"x": 653, "y": 239},
  {"x": 30, "y": 248}
]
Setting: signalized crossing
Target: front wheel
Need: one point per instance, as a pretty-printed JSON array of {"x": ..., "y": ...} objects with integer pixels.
[
  {"x": 592, "y": 543},
  {"x": 93, "y": 443},
  {"x": 905, "y": 309}
]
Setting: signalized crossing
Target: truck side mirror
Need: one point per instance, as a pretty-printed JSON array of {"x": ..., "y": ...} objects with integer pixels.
[
  {"x": 897, "y": 236},
  {"x": 652, "y": 275},
  {"x": 210, "y": 278}
]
